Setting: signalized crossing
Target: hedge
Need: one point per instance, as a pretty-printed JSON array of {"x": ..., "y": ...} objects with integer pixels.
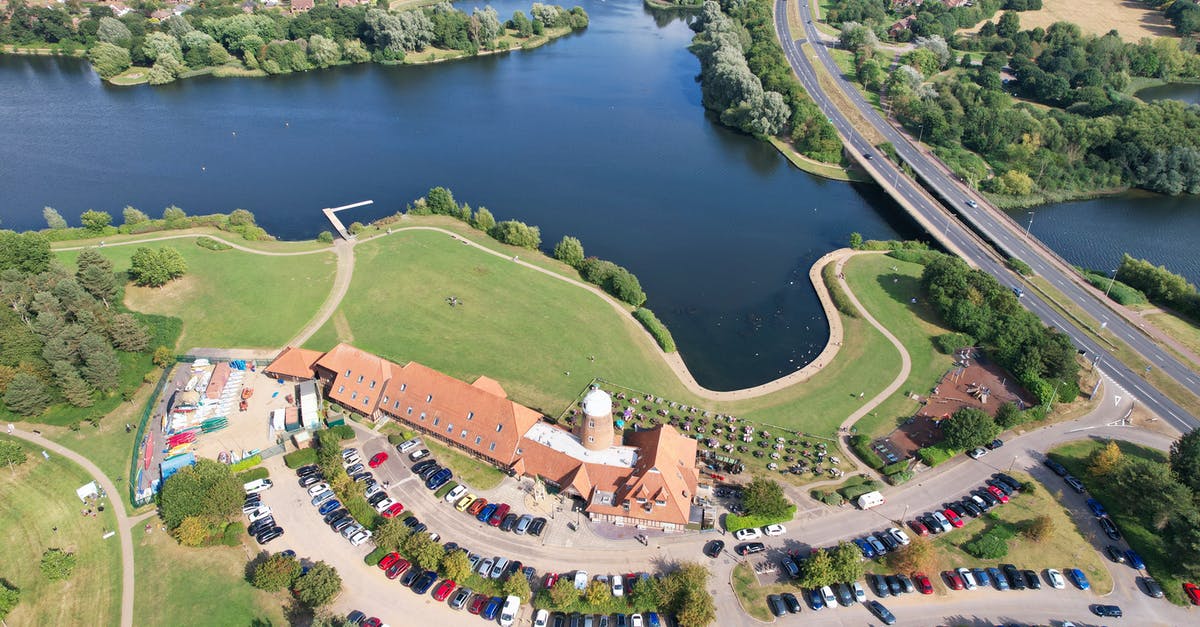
[
  {"x": 212, "y": 244},
  {"x": 246, "y": 464},
  {"x": 948, "y": 343},
  {"x": 299, "y": 458},
  {"x": 444, "y": 490},
  {"x": 934, "y": 455},
  {"x": 396, "y": 438},
  {"x": 861, "y": 445},
  {"x": 661, "y": 334},
  {"x": 904, "y": 476},
  {"x": 840, "y": 300},
  {"x": 1119, "y": 291},
  {"x": 733, "y": 522},
  {"x": 373, "y": 558},
  {"x": 892, "y": 469},
  {"x": 344, "y": 432},
  {"x": 828, "y": 498},
  {"x": 252, "y": 474},
  {"x": 921, "y": 257},
  {"x": 854, "y": 491},
  {"x": 1020, "y": 267}
]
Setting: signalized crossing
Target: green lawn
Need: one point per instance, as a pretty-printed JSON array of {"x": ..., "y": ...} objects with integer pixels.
[
  {"x": 232, "y": 298},
  {"x": 181, "y": 586},
  {"x": 475, "y": 474},
  {"x": 753, "y": 597},
  {"x": 888, "y": 295},
  {"x": 1178, "y": 328},
  {"x": 1143, "y": 540},
  {"x": 38, "y": 497}
]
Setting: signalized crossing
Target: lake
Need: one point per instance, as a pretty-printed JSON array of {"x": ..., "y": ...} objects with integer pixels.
[
  {"x": 600, "y": 135},
  {"x": 1187, "y": 92}
]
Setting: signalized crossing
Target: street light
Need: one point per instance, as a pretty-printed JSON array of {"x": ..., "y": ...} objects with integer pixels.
[
  {"x": 1112, "y": 280},
  {"x": 1030, "y": 225}
]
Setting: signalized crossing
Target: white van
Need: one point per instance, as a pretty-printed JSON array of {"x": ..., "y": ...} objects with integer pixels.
[
  {"x": 869, "y": 500},
  {"x": 508, "y": 613},
  {"x": 258, "y": 485}
]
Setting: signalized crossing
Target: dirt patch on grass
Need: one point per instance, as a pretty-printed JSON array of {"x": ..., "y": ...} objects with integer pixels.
[
  {"x": 1131, "y": 18},
  {"x": 342, "y": 326},
  {"x": 152, "y": 299}
]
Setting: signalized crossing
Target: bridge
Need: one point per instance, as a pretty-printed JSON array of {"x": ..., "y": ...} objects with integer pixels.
[{"x": 971, "y": 230}]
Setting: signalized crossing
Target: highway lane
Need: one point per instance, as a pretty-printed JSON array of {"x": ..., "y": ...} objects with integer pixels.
[{"x": 998, "y": 230}]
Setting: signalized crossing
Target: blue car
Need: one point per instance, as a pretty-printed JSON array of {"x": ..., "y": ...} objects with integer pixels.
[
  {"x": 492, "y": 607},
  {"x": 1078, "y": 578},
  {"x": 1096, "y": 508},
  {"x": 652, "y": 619},
  {"x": 424, "y": 582},
  {"x": 329, "y": 506},
  {"x": 815, "y": 601},
  {"x": 439, "y": 479},
  {"x": 1135, "y": 560},
  {"x": 981, "y": 577},
  {"x": 867, "y": 550},
  {"x": 486, "y": 512}
]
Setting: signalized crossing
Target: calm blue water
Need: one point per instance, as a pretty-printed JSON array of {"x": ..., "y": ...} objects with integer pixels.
[{"x": 1187, "y": 92}]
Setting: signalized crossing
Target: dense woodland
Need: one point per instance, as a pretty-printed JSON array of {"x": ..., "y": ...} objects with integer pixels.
[
  {"x": 1044, "y": 110},
  {"x": 218, "y": 34},
  {"x": 746, "y": 81}
]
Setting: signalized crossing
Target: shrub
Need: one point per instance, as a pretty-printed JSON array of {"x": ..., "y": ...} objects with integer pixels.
[
  {"x": 247, "y": 463},
  {"x": 904, "y": 476},
  {"x": 861, "y": 445},
  {"x": 299, "y": 458},
  {"x": 9, "y": 597},
  {"x": 921, "y": 257},
  {"x": 950, "y": 342},
  {"x": 275, "y": 573},
  {"x": 836, "y": 294},
  {"x": 373, "y": 558},
  {"x": 1118, "y": 291},
  {"x": 658, "y": 330},
  {"x": 396, "y": 438},
  {"x": 892, "y": 469},
  {"x": 516, "y": 233},
  {"x": 1020, "y": 267},
  {"x": 854, "y": 491},
  {"x": 253, "y": 474},
  {"x": 344, "y": 432},
  {"x": 232, "y": 535},
  {"x": 733, "y": 522},
  {"x": 325, "y": 237},
  {"x": 992, "y": 545},
  {"x": 934, "y": 455},
  {"x": 212, "y": 244}
]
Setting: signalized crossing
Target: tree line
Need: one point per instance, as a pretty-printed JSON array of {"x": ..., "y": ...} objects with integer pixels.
[
  {"x": 746, "y": 81},
  {"x": 220, "y": 34},
  {"x": 1092, "y": 137},
  {"x": 96, "y": 224},
  {"x": 1161, "y": 286}
]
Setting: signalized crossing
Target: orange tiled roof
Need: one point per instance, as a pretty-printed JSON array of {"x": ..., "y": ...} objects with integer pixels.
[
  {"x": 664, "y": 476},
  {"x": 294, "y": 362},
  {"x": 358, "y": 379}
]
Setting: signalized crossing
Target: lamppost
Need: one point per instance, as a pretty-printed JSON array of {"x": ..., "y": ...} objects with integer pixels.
[
  {"x": 1030, "y": 225},
  {"x": 1112, "y": 280}
]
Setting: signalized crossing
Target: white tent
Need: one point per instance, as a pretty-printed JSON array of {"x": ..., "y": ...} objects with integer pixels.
[
  {"x": 88, "y": 490},
  {"x": 308, "y": 405},
  {"x": 277, "y": 418}
]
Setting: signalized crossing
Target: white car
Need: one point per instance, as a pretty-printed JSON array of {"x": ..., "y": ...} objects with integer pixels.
[
  {"x": 485, "y": 568},
  {"x": 749, "y": 533},
  {"x": 256, "y": 486},
  {"x": 774, "y": 530},
  {"x": 383, "y": 504},
  {"x": 899, "y": 535},
  {"x": 967, "y": 577},
  {"x": 636, "y": 621},
  {"x": 408, "y": 446},
  {"x": 372, "y": 490},
  {"x": 581, "y": 580},
  {"x": 418, "y": 455},
  {"x": 259, "y": 513},
  {"x": 860, "y": 595},
  {"x": 977, "y": 453},
  {"x": 435, "y": 536},
  {"x": 541, "y": 619},
  {"x": 498, "y": 567},
  {"x": 618, "y": 586},
  {"x": 348, "y": 452},
  {"x": 1056, "y": 578},
  {"x": 829, "y": 596},
  {"x": 318, "y": 488},
  {"x": 349, "y": 531},
  {"x": 454, "y": 494},
  {"x": 508, "y": 613},
  {"x": 350, "y": 461},
  {"x": 361, "y": 536},
  {"x": 941, "y": 520}
]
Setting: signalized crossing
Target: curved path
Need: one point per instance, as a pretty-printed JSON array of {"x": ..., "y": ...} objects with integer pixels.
[{"x": 124, "y": 522}]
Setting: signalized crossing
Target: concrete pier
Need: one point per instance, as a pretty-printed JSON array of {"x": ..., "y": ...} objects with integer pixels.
[{"x": 337, "y": 224}]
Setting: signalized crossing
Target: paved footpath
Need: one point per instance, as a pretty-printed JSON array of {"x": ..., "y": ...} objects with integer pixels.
[{"x": 124, "y": 522}]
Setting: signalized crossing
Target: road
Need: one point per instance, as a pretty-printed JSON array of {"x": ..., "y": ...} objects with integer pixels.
[{"x": 1005, "y": 233}]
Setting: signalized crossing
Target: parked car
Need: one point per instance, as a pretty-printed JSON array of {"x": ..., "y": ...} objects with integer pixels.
[
  {"x": 355, "y": 468},
  {"x": 485, "y": 514},
  {"x": 1032, "y": 580},
  {"x": 776, "y": 605},
  {"x": 1076, "y": 485},
  {"x": 407, "y": 445},
  {"x": 1151, "y": 587},
  {"x": 953, "y": 580},
  {"x": 258, "y": 485},
  {"x": 792, "y": 603},
  {"x": 523, "y": 524},
  {"x": 498, "y": 515},
  {"x": 868, "y": 551},
  {"x": 814, "y": 600},
  {"x": 397, "y": 569},
  {"x": 860, "y": 595},
  {"x": 881, "y": 612},
  {"x": 748, "y": 548},
  {"x": 1135, "y": 560},
  {"x": 1055, "y": 578},
  {"x": 977, "y": 453},
  {"x": 880, "y": 549},
  {"x": 1115, "y": 554},
  {"x": 994, "y": 444},
  {"x": 981, "y": 577},
  {"x": 269, "y": 535},
  {"x": 509, "y": 522},
  {"x": 899, "y": 535},
  {"x": 308, "y": 480},
  {"x": 789, "y": 566},
  {"x": 845, "y": 596},
  {"x": 477, "y": 506},
  {"x": 931, "y": 523},
  {"x": 983, "y": 505},
  {"x": 1109, "y": 528},
  {"x": 1001, "y": 486},
  {"x": 444, "y": 589},
  {"x": 918, "y": 527},
  {"x": 492, "y": 608},
  {"x": 383, "y": 504},
  {"x": 986, "y": 496},
  {"x": 508, "y": 612},
  {"x": 429, "y": 472},
  {"x": 329, "y": 506},
  {"x": 322, "y": 497},
  {"x": 749, "y": 533},
  {"x": 879, "y": 584},
  {"x": 477, "y": 603},
  {"x": 453, "y": 495},
  {"x": 360, "y": 536},
  {"x": 1192, "y": 591},
  {"x": 1010, "y": 481},
  {"x": 310, "y": 469},
  {"x": 423, "y": 465},
  {"x": 828, "y": 597},
  {"x": 942, "y": 521},
  {"x": 1015, "y": 579},
  {"x": 498, "y": 568},
  {"x": 1058, "y": 468},
  {"x": 393, "y": 510},
  {"x": 581, "y": 579},
  {"x": 998, "y": 578},
  {"x": 968, "y": 579},
  {"x": 410, "y": 577},
  {"x": 418, "y": 455},
  {"x": 953, "y": 518},
  {"x": 774, "y": 530},
  {"x": 439, "y": 479},
  {"x": 924, "y": 586},
  {"x": 388, "y": 560},
  {"x": 1110, "y": 611},
  {"x": 973, "y": 510},
  {"x": 998, "y": 493},
  {"x": 1097, "y": 508},
  {"x": 713, "y": 548},
  {"x": 460, "y": 598},
  {"x": 464, "y": 502},
  {"x": 536, "y": 527},
  {"x": 888, "y": 541}
]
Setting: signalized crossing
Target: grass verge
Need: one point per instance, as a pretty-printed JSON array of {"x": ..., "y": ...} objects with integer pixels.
[
  {"x": 752, "y": 596},
  {"x": 475, "y": 474},
  {"x": 840, "y": 100},
  {"x": 819, "y": 168},
  {"x": 1183, "y": 331}
]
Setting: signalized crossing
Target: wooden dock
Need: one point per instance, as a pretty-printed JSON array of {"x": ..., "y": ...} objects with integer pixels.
[{"x": 337, "y": 224}]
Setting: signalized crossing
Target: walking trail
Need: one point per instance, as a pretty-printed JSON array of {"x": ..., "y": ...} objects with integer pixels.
[{"x": 124, "y": 523}]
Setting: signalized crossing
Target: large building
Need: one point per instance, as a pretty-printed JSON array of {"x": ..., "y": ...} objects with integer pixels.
[{"x": 645, "y": 478}]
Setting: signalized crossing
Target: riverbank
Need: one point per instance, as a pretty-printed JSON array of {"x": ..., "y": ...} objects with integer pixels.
[
  {"x": 819, "y": 168},
  {"x": 1049, "y": 197},
  {"x": 662, "y": 5}
]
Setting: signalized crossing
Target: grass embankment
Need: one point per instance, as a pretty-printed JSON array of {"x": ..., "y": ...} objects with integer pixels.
[
  {"x": 1064, "y": 548},
  {"x": 231, "y": 298},
  {"x": 183, "y": 234},
  {"x": 812, "y": 166},
  {"x": 467, "y": 470},
  {"x": 528, "y": 330},
  {"x": 1182, "y": 330},
  {"x": 39, "y": 497},
  {"x": 180, "y": 586},
  {"x": 1144, "y": 540},
  {"x": 840, "y": 100}
]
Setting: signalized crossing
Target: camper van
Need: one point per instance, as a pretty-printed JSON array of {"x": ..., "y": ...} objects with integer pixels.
[
  {"x": 258, "y": 485},
  {"x": 869, "y": 500}
]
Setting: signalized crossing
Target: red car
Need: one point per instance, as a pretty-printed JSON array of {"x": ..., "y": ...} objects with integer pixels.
[
  {"x": 478, "y": 602},
  {"x": 998, "y": 493},
  {"x": 918, "y": 527},
  {"x": 923, "y": 583},
  {"x": 498, "y": 515},
  {"x": 1193, "y": 592},
  {"x": 393, "y": 510},
  {"x": 378, "y": 459},
  {"x": 550, "y": 579},
  {"x": 388, "y": 560},
  {"x": 953, "y": 580},
  {"x": 372, "y": 622},
  {"x": 953, "y": 518},
  {"x": 444, "y": 589},
  {"x": 397, "y": 569}
]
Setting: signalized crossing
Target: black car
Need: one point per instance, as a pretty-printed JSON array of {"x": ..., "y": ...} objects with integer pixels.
[
  {"x": 987, "y": 497},
  {"x": 971, "y": 508},
  {"x": 424, "y": 582},
  {"x": 1012, "y": 483},
  {"x": 1075, "y": 484},
  {"x": 790, "y": 567},
  {"x": 430, "y": 471},
  {"x": 1058, "y": 468},
  {"x": 261, "y": 525},
  {"x": 422, "y": 465},
  {"x": 420, "y": 528},
  {"x": 411, "y": 522},
  {"x": 269, "y": 535},
  {"x": 575, "y": 619},
  {"x": 888, "y": 541},
  {"x": 510, "y": 570},
  {"x": 1109, "y": 528},
  {"x": 377, "y": 497},
  {"x": 844, "y": 596},
  {"x": 558, "y": 619},
  {"x": 536, "y": 527},
  {"x": 1001, "y": 486},
  {"x": 1032, "y": 580},
  {"x": 881, "y": 612},
  {"x": 894, "y": 585},
  {"x": 714, "y": 548},
  {"x": 792, "y": 603},
  {"x": 814, "y": 599},
  {"x": 905, "y": 583},
  {"x": 747, "y": 548},
  {"x": 308, "y": 480},
  {"x": 305, "y": 471},
  {"x": 957, "y": 508},
  {"x": 509, "y": 521},
  {"x": 994, "y": 444},
  {"x": 1115, "y": 554},
  {"x": 1111, "y": 611},
  {"x": 363, "y": 476},
  {"x": 1015, "y": 579},
  {"x": 931, "y": 524},
  {"x": 342, "y": 523},
  {"x": 980, "y": 502},
  {"x": 336, "y": 515},
  {"x": 879, "y": 585},
  {"x": 778, "y": 608},
  {"x": 1151, "y": 587},
  {"x": 410, "y": 576},
  {"x": 530, "y": 574}
]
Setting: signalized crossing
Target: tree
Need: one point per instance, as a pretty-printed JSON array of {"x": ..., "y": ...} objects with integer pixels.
[
  {"x": 163, "y": 357},
  {"x": 989, "y": 546},
  {"x": 969, "y": 428},
  {"x": 206, "y": 489},
  {"x": 1106, "y": 460},
  {"x": 483, "y": 220},
  {"x": 521, "y": 24},
  {"x": 325, "y": 237},
  {"x": 516, "y": 234},
  {"x": 100, "y": 365},
  {"x": 456, "y": 565},
  {"x": 28, "y": 252},
  {"x": 423, "y": 551},
  {"x": 109, "y": 59},
  {"x": 173, "y": 215},
  {"x": 916, "y": 556},
  {"x": 569, "y": 250},
  {"x": 132, "y": 216},
  {"x": 9, "y": 597},
  {"x": 1009, "y": 24},
  {"x": 241, "y": 217},
  {"x": 597, "y": 592},
  {"x": 74, "y": 388},
  {"x": 847, "y": 562},
  {"x": 1008, "y": 416},
  {"x": 516, "y": 585},
  {"x": 391, "y": 534},
  {"x": 1185, "y": 459},
  {"x": 26, "y": 395},
  {"x": 155, "y": 267},
  {"x": 128, "y": 334},
  {"x": 625, "y": 286},
  {"x": 323, "y": 52},
  {"x": 354, "y": 51},
  {"x": 441, "y": 201},
  {"x": 817, "y": 571},
  {"x": 54, "y": 220},
  {"x": 1039, "y": 529},
  {"x": 57, "y": 564},
  {"x": 856, "y": 240},
  {"x": 684, "y": 592},
  {"x": 114, "y": 31},
  {"x": 192, "y": 531},
  {"x": 320, "y": 585},
  {"x": 95, "y": 275},
  {"x": 275, "y": 573},
  {"x": 764, "y": 497},
  {"x": 12, "y": 453},
  {"x": 645, "y": 593},
  {"x": 563, "y": 593}
]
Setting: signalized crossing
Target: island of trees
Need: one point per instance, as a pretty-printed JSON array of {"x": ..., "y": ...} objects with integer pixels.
[
  {"x": 221, "y": 38},
  {"x": 1032, "y": 114}
]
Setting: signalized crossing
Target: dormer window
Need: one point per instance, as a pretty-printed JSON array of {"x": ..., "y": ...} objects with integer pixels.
[
  {"x": 463, "y": 435},
  {"x": 429, "y": 398},
  {"x": 641, "y": 499},
  {"x": 341, "y": 388},
  {"x": 660, "y": 503},
  {"x": 353, "y": 395},
  {"x": 403, "y": 386},
  {"x": 366, "y": 399},
  {"x": 498, "y": 428},
  {"x": 372, "y": 384},
  {"x": 347, "y": 372},
  {"x": 360, "y": 378},
  {"x": 385, "y": 399},
  {"x": 470, "y": 415}
]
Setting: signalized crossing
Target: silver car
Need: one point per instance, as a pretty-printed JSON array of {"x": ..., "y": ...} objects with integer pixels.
[
  {"x": 523, "y": 524},
  {"x": 485, "y": 567},
  {"x": 498, "y": 567}
]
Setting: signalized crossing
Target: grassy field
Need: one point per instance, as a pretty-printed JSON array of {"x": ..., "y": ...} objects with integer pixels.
[
  {"x": 1183, "y": 331},
  {"x": 1143, "y": 540},
  {"x": 474, "y": 473},
  {"x": 232, "y": 298},
  {"x": 38, "y": 497},
  {"x": 181, "y": 586},
  {"x": 1132, "y": 19},
  {"x": 1065, "y": 548}
]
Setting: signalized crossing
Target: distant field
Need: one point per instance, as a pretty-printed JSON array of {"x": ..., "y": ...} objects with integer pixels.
[{"x": 1132, "y": 19}]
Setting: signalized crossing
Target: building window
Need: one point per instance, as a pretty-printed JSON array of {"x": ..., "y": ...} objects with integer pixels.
[
  {"x": 463, "y": 435},
  {"x": 385, "y": 399},
  {"x": 366, "y": 399},
  {"x": 360, "y": 378},
  {"x": 341, "y": 388},
  {"x": 422, "y": 415},
  {"x": 478, "y": 440},
  {"x": 470, "y": 415},
  {"x": 492, "y": 447},
  {"x": 592, "y": 424},
  {"x": 660, "y": 503},
  {"x": 396, "y": 405},
  {"x": 519, "y": 451},
  {"x": 591, "y": 439},
  {"x": 347, "y": 372},
  {"x": 449, "y": 428},
  {"x": 410, "y": 411},
  {"x": 372, "y": 384},
  {"x": 429, "y": 398},
  {"x": 641, "y": 499},
  {"x": 498, "y": 428},
  {"x": 435, "y": 420},
  {"x": 403, "y": 386},
  {"x": 353, "y": 395}
]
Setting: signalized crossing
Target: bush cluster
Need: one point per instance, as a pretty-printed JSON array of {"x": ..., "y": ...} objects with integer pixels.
[
  {"x": 660, "y": 332},
  {"x": 1161, "y": 286},
  {"x": 302, "y": 457},
  {"x": 841, "y": 301},
  {"x": 861, "y": 445},
  {"x": 1117, "y": 290}
]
